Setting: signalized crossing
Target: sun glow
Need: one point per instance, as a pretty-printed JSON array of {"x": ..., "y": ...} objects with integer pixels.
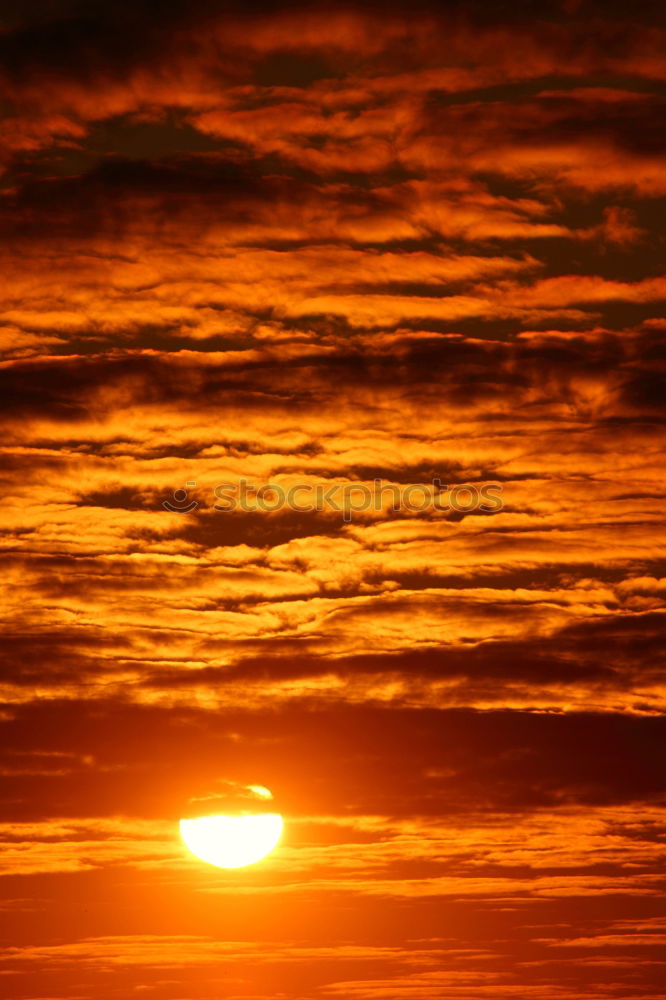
[{"x": 232, "y": 841}]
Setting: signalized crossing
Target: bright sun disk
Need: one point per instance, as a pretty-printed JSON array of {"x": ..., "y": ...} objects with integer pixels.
[{"x": 232, "y": 841}]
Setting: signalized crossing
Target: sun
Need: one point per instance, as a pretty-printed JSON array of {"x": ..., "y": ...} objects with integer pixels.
[{"x": 232, "y": 841}]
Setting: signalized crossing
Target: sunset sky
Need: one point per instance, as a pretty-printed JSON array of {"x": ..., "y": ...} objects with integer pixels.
[{"x": 312, "y": 246}]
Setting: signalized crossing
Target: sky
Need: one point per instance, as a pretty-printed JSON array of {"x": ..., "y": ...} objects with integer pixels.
[{"x": 264, "y": 269}]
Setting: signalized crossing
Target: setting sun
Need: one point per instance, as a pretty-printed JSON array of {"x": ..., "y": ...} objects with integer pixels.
[{"x": 232, "y": 841}]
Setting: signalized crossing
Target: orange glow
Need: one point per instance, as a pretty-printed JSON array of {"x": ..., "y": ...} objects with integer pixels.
[{"x": 288, "y": 292}]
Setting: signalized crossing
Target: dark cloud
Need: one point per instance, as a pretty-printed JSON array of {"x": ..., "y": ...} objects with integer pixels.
[{"x": 359, "y": 760}]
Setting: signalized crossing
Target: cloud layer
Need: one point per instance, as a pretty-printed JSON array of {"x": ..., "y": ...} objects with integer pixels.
[{"x": 333, "y": 248}]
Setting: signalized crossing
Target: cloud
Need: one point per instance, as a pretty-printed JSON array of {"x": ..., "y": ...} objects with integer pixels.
[{"x": 331, "y": 247}]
